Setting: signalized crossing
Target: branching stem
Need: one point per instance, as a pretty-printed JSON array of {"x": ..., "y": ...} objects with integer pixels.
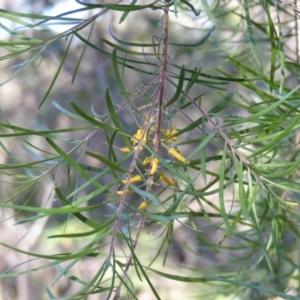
[{"x": 159, "y": 97}]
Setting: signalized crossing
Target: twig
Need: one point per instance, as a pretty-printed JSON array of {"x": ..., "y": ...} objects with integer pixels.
[{"x": 159, "y": 96}]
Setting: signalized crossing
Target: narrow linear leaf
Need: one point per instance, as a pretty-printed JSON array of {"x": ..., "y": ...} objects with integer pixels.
[
  {"x": 93, "y": 120},
  {"x": 221, "y": 191},
  {"x": 226, "y": 280},
  {"x": 56, "y": 74},
  {"x": 197, "y": 44},
  {"x": 250, "y": 32},
  {"x": 179, "y": 88},
  {"x": 209, "y": 12},
  {"x": 82, "y": 53},
  {"x": 115, "y": 119},
  {"x": 51, "y": 211},
  {"x": 66, "y": 112},
  {"x": 78, "y": 215},
  {"x": 136, "y": 260},
  {"x": 196, "y": 13},
  {"x": 107, "y": 162},
  {"x": 129, "y": 43},
  {"x": 126, "y": 13},
  {"x": 117, "y": 73}
]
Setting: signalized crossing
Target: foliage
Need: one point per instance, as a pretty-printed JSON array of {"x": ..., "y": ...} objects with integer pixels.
[{"x": 214, "y": 153}]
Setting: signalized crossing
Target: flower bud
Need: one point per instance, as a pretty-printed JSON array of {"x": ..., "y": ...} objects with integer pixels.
[
  {"x": 143, "y": 206},
  {"x": 133, "y": 179},
  {"x": 121, "y": 193},
  {"x": 166, "y": 179},
  {"x": 154, "y": 166},
  {"x": 177, "y": 155}
]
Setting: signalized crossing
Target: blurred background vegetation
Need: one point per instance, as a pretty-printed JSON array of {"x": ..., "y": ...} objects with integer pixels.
[{"x": 227, "y": 51}]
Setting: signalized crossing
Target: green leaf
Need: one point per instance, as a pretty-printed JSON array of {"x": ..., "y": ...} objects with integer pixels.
[
  {"x": 179, "y": 88},
  {"x": 115, "y": 119},
  {"x": 126, "y": 13},
  {"x": 197, "y": 44},
  {"x": 209, "y": 12},
  {"x": 78, "y": 215},
  {"x": 50, "y": 211},
  {"x": 82, "y": 53},
  {"x": 107, "y": 162},
  {"x": 56, "y": 74},
  {"x": 221, "y": 191},
  {"x": 68, "y": 113},
  {"x": 94, "y": 120},
  {"x": 117, "y": 73},
  {"x": 224, "y": 279},
  {"x": 250, "y": 32},
  {"x": 196, "y": 13}
]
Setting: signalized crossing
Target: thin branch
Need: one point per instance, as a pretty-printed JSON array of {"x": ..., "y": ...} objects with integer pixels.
[
  {"x": 220, "y": 131},
  {"x": 159, "y": 96}
]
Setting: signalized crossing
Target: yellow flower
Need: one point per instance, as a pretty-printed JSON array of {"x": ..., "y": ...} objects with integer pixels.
[
  {"x": 125, "y": 150},
  {"x": 166, "y": 179},
  {"x": 143, "y": 206},
  {"x": 133, "y": 179},
  {"x": 154, "y": 166},
  {"x": 138, "y": 136},
  {"x": 169, "y": 133},
  {"x": 146, "y": 161},
  {"x": 121, "y": 193},
  {"x": 177, "y": 155}
]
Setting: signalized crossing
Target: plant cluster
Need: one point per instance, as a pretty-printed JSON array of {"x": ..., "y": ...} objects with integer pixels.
[{"x": 215, "y": 154}]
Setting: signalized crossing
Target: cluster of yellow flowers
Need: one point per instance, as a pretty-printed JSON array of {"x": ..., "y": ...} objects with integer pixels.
[
  {"x": 170, "y": 135},
  {"x": 140, "y": 135}
]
